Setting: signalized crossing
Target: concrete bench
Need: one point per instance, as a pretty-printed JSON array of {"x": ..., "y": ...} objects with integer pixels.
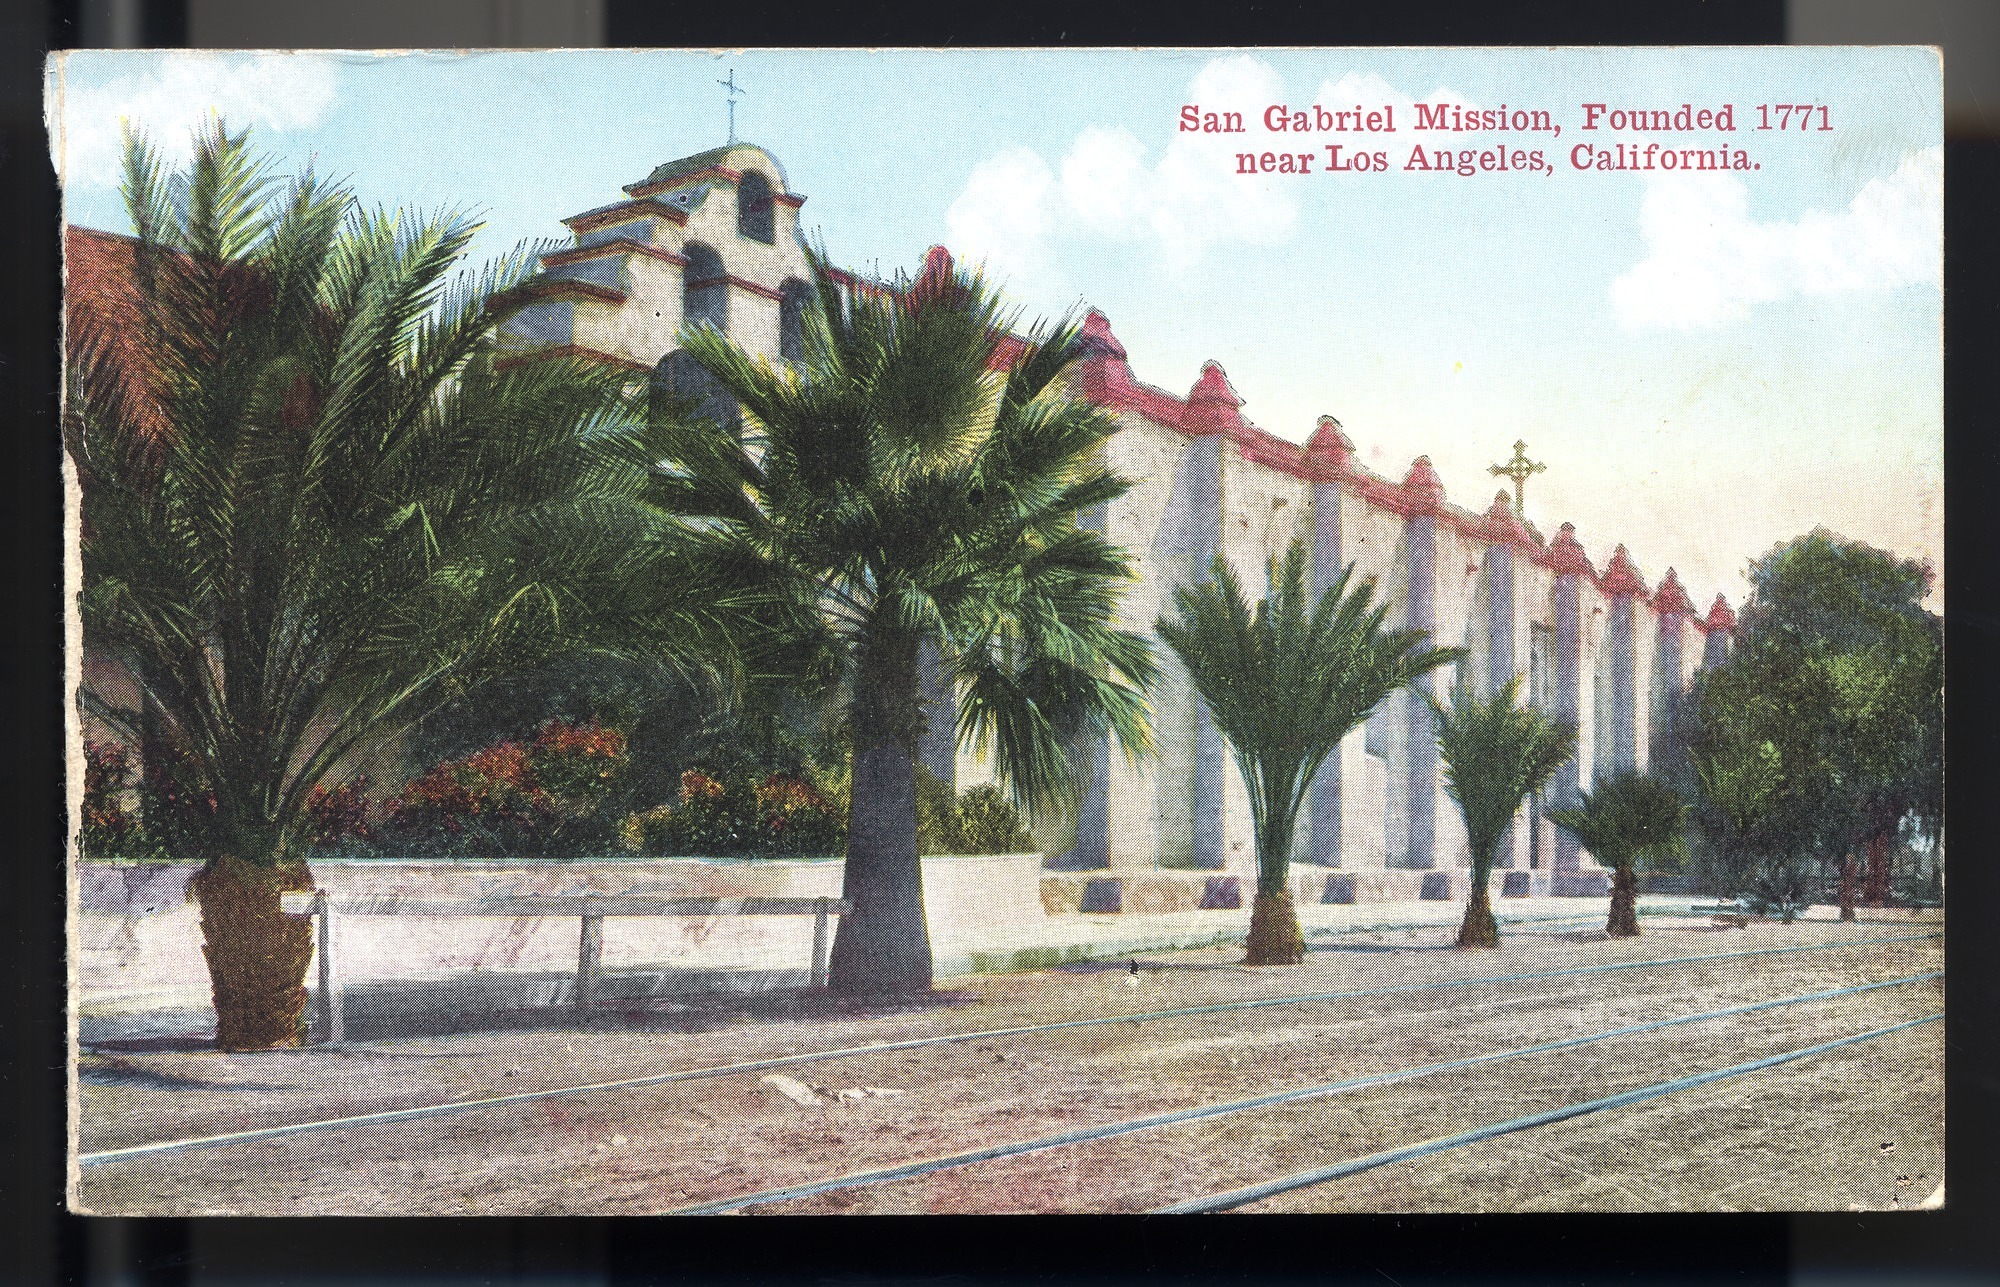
[{"x": 590, "y": 909}]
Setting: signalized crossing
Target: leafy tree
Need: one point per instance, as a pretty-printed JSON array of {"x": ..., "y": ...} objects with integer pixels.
[
  {"x": 1285, "y": 683},
  {"x": 918, "y": 477},
  {"x": 316, "y": 506},
  {"x": 1496, "y": 754},
  {"x": 1837, "y": 673},
  {"x": 1632, "y": 818}
]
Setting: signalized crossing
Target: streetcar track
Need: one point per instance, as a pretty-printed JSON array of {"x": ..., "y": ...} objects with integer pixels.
[
  {"x": 392, "y": 1116},
  {"x": 1082, "y": 1135},
  {"x": 1354, "y": 1166}
]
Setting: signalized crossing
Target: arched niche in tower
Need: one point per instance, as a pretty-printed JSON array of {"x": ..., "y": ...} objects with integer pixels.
[
  {"x": 793, "y": 297},
  {"x": 755, "y": 211},
  {"x": 704, "y": 288},
  {"x": 681, "y": 385}
]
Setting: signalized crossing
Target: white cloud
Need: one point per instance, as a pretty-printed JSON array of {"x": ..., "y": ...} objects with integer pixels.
[
  {"x": 1708, "y": 261},
  {"x": 1002, "y": 217},
  {"x": 169, "y": 96},
  {"x": 1016, "y": 205}
]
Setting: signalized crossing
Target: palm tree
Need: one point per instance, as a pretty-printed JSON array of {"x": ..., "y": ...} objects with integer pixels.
[
  {"x": 1630, "y": 819},
  {"x": 315, "y": 508},
  {"x": 1496, "y": 753},
  {"x": 1285, "y": 683},
  {"x": 917, "y": 480}
]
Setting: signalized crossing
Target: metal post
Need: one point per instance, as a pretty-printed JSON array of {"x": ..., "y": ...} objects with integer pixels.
[
  {"x": 820, "y": 943},
  {"x": 332, "y": 1015},
  {"x": 589, "y": 953}
]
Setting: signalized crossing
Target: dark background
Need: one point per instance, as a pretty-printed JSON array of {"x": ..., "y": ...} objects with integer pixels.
[{"x": 39, "y": 1243}]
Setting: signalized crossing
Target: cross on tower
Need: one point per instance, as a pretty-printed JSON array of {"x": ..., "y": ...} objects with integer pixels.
[
  {"x": 1520, "y": 469},
  {"x": 733, "y": 90}
]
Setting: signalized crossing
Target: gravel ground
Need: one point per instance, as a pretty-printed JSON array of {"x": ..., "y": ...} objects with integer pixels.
[{"x": 1804, "y": 1135}]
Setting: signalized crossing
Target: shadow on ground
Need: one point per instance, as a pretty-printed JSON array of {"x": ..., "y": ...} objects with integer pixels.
[
  {"x": 99, "y": 1070},
  {"x": 683, "y": 1014}
]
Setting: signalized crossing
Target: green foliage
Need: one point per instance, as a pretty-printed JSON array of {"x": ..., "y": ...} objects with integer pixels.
[
  {"x": 1287, "y": 680},
  {"x": 739, "y": 814},
  {"x": 978, "y": 820},
  {"x": 1631, "y": 820},
  {"x": 988, "y": 823},
  {"x": 744, "y": 814},
  {"x": 1496, "y": 753},
  {"x": 542, "y": 797},
  {"x": 897, "y": 486},
  {"x": 1825, "y": 725},
  {"x": 318, "y": 505},
  {"x": 112, "y": 830}
]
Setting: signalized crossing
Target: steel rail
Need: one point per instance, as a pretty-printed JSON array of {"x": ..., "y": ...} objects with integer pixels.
[
  {"x": 391, "y": 1116},
  {"x": 1081, "y": 1135},
  {"x": 1321, "y": 1175}
]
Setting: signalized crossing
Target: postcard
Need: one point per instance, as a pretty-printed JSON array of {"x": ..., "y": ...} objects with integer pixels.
[{"x": 987, "y": 631}]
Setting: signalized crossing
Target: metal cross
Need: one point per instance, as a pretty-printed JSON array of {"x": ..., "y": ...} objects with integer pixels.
[
  {"x": 734, "y": 90},
  {"x": 1520, "y": 469}
]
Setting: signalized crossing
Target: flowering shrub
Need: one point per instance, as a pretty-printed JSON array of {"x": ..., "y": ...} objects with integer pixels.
[
  {"x": 175, "y": 809},
  {"x": 739, "y": 814},
  {"x": 786, "y": 814},
  {"x": 711, "y": 818},
  {"x": 794, "y": 818},
  {"x": 538, "y": 797},
  {"x": 110, "y": 830},
  {"x": 337, "y": 817}
]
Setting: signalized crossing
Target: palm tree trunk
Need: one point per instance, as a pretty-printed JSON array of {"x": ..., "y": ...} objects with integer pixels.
[
  {"x": 1479, "y": 929},
  {"x": 1848, "y": 882},
  {"x": 883, "y": 944},
  {"x": 1275, "y": 937},
  {"x": 1877, "y": 892},
  {"x": 1624, "y": 922},
  {"x": 257, "y": 955}
]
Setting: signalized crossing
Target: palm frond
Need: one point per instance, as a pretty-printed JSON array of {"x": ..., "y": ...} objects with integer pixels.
[{"x": 1496, "y": 753}]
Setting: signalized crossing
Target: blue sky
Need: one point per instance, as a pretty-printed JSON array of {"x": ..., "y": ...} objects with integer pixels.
[{"x": 1708, "y": 363}]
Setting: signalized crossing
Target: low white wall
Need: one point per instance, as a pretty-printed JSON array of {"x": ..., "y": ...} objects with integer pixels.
[{"x": 139, "y": 935}]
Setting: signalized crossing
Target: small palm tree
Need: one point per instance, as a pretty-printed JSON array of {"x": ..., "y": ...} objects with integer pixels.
[
  {"x": 910, "y": 481},
  {"x": 1496, "y": 753},
  {"x": 315, "y": 508},
  {"x": 1285, "y": 684},
  {"x": 1630, "y": 819}
]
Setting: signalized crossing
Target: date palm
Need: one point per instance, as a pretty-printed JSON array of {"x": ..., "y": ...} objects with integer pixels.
[
  {"x": 1496, "y": 754},
  {"x": 1630, "y": 819},
  {"x": 1285, "y": 682},
  {"x": 315, "y": 507},
  {"x": 917, "y": 482}
]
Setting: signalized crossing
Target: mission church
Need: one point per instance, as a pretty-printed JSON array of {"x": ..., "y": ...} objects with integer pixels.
[{"x": 715, "y": 237}]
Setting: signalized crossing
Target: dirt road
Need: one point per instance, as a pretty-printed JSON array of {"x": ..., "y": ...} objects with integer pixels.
[{"x": 1804, "y": 1135}]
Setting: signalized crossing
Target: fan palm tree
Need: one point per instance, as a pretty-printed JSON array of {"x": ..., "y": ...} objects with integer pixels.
[
  {"x": 315, "y": 508},
  {"x": 1285, "y": 683},
  {"x": 919, "y": 478},
  {"x": 1630, "y": 819},
  {"x": 1496, "y": 753}
]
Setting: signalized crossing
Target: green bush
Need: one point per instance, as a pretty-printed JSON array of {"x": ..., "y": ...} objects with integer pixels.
[
  {"x": 988, "y": 823},
  {"x": 111, "y": 831},
  {"x": 979, "y": 820},
  {"x": 740, "y": 814}
]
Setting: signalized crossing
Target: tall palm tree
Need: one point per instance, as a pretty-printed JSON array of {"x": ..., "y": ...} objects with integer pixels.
[
  {"x": 1496, "y": 753},
  {"x": 917, "y": 478},
  {"x": 1285, "y": 683},
  {"x": 315, "y": 507},
  {"x": 1630, "y": 819}
]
